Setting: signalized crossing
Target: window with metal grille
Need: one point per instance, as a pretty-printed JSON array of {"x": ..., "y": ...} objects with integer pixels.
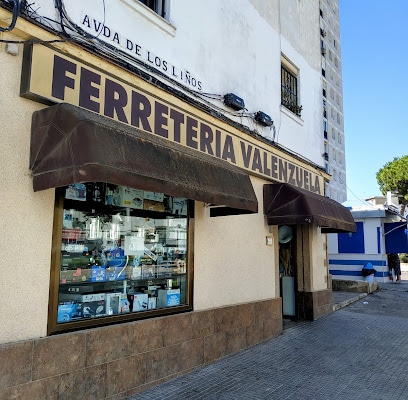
[
  {"x": 158, "y": 6},
  {"x": 289, "y": 91}
]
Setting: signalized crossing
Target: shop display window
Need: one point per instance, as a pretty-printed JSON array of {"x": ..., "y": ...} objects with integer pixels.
[{"x": 122, "y": 254}]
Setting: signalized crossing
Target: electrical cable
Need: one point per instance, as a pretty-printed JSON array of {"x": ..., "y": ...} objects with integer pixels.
[
  {"x": 35, "y": 41},
  {"x": 16, "y": 12},
  {"x": 364, "y": 202},
  {"x": 78, "y": 35}
]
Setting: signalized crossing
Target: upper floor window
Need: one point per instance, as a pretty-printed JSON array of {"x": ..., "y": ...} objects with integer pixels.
[
  {"x": 289, "y": 89},
  {"x": 158, "y": 6}
]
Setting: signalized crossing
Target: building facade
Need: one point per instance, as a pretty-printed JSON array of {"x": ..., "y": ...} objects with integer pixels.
[
  {"x": 163, "y": 184},
  {"x": 381, "y": 230},
  {"x": 332, "y": 92}
]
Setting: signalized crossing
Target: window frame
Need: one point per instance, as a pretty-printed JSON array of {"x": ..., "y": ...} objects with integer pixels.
[
  {"x": 160, "y": 7},
  {"x": 53, "y": 327},
  {"x": 290, "y": 97}
]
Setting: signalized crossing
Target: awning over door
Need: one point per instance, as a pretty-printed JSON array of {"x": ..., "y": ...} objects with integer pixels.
[
  {"x": 71, "y": 145},
  {"x": 285, "y": 204}
]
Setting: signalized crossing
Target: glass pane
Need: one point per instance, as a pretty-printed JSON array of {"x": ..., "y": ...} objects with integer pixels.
[{"x": 123, "y": 251}]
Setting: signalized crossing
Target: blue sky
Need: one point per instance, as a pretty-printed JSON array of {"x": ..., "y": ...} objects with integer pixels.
[{"x": 374, "y": 49}]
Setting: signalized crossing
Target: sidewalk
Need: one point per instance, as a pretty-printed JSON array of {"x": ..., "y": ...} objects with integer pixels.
[
  {"x": 343, "y": 299},
  {"x": 346, "y": 355}
]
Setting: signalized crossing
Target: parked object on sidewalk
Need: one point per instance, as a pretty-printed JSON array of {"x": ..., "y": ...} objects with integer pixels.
[
  {"x": 394, "y": 264},
  {"x": 368, "y": 272}
]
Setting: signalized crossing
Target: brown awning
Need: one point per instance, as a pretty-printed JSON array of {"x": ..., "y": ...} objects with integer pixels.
[
  {"x": 71, "y": 145},
  {"x": 285, "y": 204}
]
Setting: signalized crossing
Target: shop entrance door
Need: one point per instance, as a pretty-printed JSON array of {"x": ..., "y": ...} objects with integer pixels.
[{"x": 287, "y": 269}]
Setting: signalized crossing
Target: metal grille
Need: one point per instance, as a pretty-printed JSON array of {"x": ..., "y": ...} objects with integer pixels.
[
  {"x": 289, "y": 91},
  {"x": 157, "y": 6}
]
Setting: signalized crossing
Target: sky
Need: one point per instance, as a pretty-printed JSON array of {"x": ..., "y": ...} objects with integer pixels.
[{"x": 374, "y": 50}]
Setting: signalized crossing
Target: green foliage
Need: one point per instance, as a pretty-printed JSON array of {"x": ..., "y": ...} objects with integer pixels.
[
  {"x": 403, "y": 258},
  {"x": 393, "y": 176}
]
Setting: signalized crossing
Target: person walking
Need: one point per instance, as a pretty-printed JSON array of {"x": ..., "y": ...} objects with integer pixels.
[{"x": 394, "y": 264}]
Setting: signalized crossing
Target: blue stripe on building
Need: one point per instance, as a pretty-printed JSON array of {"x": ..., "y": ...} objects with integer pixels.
[
  {"x": 339, "y": 272},
  {"x": 379, "y": 263}
]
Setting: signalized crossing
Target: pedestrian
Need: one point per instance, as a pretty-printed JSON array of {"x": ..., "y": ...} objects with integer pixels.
[{"x": 394, "y": 264}]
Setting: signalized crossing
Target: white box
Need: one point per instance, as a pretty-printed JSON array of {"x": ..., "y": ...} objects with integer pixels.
[
  {"x": 124, "y": 196},
  {"x": 136, "y": 273},
  {"x": 113, "y": 303},
  {"x": 152, "y": 303},
  {"x": 154, "y": 196},
  {"x": 140, "y": 302},
  {"x": 168, "y": 298}
]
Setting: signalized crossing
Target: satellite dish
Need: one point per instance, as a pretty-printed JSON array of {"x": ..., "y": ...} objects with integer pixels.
[{"x": 285, "y": 234}]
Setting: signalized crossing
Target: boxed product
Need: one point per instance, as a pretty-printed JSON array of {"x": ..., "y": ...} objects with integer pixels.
[
  {"x": 73, "y": 234},
  {"x": 124, "y": 196},
  {"x": 152, "y": 205},
  {"x": 179, "y": 206},
  {"x": 151, "y": 303},
  {"x": 115, "y": 273},
  {"x": 148, "y": 271},
  {"x": 151, "y": 290},
  {"x": 69, "y": 311},
  {"x": 76, "y": 275},
  {"x": 154, "y": 196},
  {"x": 168, "y": 298},
  {"x": 76, "y": 191},
  {"x": 136, "y": 273},
  {"x": 93, "y": 305},
  {"x": 134, "y": 245},
  {"x": 98, "y": 273},
  {"x": 113, "y": 303},
  {"x": 140, "y": 301},
  {"x": 95, "y": 192},
  {"x": 124, "y": 304}
]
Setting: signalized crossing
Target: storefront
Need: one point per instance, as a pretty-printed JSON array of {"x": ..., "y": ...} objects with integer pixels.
[{"x": 150, "y": 226}]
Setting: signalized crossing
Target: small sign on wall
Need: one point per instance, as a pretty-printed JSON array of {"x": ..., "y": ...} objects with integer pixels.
[{"x": 269, "y": 240}]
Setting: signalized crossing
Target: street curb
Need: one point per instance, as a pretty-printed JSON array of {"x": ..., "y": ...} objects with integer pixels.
[{"x": 347, "y": 302}]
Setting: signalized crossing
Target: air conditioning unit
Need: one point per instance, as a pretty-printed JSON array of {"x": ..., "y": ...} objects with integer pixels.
[
  {"x": 323, "y": 49},
  {"x": 326, "y": 156}
]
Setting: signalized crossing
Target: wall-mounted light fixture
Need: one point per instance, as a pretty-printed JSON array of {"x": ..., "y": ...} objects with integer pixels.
[
  {"x": 233, "y": 101},
  {"x": 263, "y": 119}
]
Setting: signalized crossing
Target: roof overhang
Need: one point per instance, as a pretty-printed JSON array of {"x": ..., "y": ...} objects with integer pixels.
[
  {"x": 71, "y": 145},
  {"x": 285, "y": 204}
]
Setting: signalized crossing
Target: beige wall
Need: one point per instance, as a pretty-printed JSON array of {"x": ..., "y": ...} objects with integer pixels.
[
  {"x": 25, "y": 216},
  {"x": 233, "y": 264},
  {"x": 319, "y": 264}
]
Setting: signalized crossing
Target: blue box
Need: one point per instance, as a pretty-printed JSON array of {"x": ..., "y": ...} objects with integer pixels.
[
  {"x": 69, "y": 311},
  {"x": 98, "y": 273},
  {"x": 168, "y": 298},
  {"x": 112, "y": 273}
]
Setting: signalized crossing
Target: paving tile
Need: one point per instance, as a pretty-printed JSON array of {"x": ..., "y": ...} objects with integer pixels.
[{"x": 345, "y": 355}]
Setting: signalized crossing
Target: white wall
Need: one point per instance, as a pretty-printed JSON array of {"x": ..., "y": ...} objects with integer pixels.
[{"x": 229, "y": 46}]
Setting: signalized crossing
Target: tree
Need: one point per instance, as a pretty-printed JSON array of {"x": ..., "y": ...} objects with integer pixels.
[{"x": 393, "y": 176}]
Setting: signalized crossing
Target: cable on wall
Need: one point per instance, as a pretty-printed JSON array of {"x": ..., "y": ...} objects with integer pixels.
[{"x": 16, "y": 12}]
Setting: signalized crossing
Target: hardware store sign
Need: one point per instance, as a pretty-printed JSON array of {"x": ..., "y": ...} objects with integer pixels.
[{"x": 52, "y": 77}]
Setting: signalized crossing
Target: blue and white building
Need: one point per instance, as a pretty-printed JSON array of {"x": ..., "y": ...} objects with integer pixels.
[{"x": 381, "y": 229}]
